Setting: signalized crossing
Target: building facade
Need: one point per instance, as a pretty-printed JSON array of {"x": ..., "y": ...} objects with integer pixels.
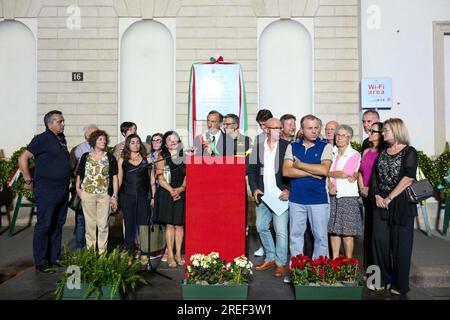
[{"x": 136, "y": 55}]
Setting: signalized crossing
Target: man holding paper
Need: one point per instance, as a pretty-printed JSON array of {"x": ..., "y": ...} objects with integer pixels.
[{"x": 271, "y": 193}]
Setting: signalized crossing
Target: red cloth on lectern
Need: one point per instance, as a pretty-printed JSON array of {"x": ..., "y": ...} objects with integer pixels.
[{"x": 215, "y": 207}]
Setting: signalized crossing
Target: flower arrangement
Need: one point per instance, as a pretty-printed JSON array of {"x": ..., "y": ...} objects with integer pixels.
[
  {"x": 324, "y": 271},
  {"x": 211, "y": 269}
]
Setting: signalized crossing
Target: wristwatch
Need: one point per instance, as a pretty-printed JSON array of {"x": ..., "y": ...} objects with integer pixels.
[{"x": 28, "y": 182}]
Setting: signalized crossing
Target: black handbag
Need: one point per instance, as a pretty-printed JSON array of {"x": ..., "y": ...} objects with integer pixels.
[
  {"x": 75, "y": 202},
  {"x": 419, "y": 191}
]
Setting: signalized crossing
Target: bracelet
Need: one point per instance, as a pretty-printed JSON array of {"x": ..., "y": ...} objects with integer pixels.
[{"x": 115, "y": 197}]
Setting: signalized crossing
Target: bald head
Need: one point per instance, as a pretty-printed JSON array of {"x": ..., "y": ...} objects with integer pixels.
[
  {"x": 330, "y": 130},
  {"x": 274, "y": 128}
]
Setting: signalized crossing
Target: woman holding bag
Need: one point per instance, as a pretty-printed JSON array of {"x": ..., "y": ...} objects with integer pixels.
[{"x": 393, "y": 218}]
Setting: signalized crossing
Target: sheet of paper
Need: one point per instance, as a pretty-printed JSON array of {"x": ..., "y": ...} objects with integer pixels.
[{"x": 276, "y": 205}]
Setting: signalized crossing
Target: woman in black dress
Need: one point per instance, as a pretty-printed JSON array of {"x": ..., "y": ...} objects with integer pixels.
[
  {"x": 170, "y": 198},
  {"x": 135, "y": 177},
  {"x": 393, "y": 216}
]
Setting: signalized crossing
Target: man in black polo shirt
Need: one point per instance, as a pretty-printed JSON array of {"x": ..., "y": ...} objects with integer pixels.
[{"x": 51, "y": 188}]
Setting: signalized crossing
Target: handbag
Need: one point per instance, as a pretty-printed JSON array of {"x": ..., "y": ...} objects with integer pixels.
[
  {"x": 420, "y": 190},
  {"x": 75, "y": 202}
]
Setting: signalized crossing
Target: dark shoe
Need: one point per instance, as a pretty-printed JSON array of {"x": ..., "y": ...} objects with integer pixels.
[
  {"x": 280, "y": 271},
  {"x": 266, "y": 265},
  {"x": 44, "y": 269},
  {"x": 57, "y": 265}
]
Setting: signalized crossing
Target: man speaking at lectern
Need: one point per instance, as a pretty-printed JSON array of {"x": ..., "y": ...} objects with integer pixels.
[{"x": 213, "y": 142}]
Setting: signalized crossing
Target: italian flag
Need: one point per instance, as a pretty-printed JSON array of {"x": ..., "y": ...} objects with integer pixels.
[
  {"x": 192, "y": 102},
  {"x": 13, "y": 178}
]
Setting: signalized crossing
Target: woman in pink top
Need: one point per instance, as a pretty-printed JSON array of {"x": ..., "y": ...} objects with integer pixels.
[
  {"x": 376, "y": 143},
  {"x": 345, "y": 216}
]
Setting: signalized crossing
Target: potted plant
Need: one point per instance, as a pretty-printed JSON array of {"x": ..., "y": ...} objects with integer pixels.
[
  {"x": 100, "y": 276},
  {"x": 210, "y": 277},
  {"x": 326, "y": 279}
]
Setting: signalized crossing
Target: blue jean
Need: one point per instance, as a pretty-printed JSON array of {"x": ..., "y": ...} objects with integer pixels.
[
  {"x": 318, "y": 216},
  {"x": 80, "y": 230},
  {"x": 279, "y": 252}
]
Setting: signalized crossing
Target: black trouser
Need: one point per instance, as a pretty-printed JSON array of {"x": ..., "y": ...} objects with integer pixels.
[
  {"x": 368, "y": 228},
  {"x": 392, "y": 249},
  {"x": 51, "y": 207},
  {"x": 128, "y": 204}
]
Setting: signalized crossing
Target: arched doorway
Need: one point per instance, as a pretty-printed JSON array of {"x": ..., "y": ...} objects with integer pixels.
[
  {"x": 147, "y": 77},
  {"x": 286, "y": 68},
  {"x": 18, "y": 85}
]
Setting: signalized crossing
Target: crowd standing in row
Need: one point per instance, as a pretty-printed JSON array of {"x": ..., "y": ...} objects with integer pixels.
[{"x": 322, "y": 177}]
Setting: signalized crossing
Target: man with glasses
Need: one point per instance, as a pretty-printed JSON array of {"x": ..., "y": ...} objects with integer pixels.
[
  {"x": 369, "y": 117},
  {"x": 242, "y": 144},
  {"x": 265, "y": 176},
  {"x": 330, "y": 131},
  {"x": 214, "y": 142},
  {"x": 51, "y": 189}
]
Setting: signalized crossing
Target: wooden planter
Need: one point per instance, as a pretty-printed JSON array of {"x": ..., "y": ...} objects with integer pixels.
[
  {"x": 78, "y": 294},
  {"x": 214, "y": 292},
  {"x": 328, "y": 292}
]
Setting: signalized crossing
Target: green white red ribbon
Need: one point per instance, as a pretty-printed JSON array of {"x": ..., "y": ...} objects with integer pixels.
[{"x": 243, "y": 121}]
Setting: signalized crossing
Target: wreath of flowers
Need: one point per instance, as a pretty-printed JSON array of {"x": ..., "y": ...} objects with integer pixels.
[{"x": 8, "y": 169}]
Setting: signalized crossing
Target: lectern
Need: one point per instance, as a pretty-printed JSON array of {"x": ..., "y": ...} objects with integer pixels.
[{"x": 215, "y": 206}]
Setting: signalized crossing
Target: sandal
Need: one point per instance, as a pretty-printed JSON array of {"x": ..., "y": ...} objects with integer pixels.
[
  {"x": 172, "y": 264},
  {"x": 181, "y": 262}
]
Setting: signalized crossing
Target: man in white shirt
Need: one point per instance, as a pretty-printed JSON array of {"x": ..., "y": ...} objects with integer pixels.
[{"x": 265, "y": 177}]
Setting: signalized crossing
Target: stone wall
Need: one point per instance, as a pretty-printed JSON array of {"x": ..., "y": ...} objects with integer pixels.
[{"x": 205, "y": 28}]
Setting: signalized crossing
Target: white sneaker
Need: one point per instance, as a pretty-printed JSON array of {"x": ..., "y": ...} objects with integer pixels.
[
  {"x": 259, "y": 252},
  {"x": 286, "y": 279}
]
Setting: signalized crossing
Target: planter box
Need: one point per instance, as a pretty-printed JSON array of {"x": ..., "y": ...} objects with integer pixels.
[
  {"x": 214, "y": 292},
  {"x": 78, "y": 294},
  {"x": 328, "y": 292}
]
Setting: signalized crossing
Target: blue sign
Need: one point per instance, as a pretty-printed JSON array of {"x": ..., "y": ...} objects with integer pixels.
[{"x": 376, "y": 93}]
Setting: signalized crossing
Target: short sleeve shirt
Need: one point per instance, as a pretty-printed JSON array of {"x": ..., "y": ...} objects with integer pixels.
[
  {"x": 51, "y": 159},
  {"x": 327, "y": 153}
]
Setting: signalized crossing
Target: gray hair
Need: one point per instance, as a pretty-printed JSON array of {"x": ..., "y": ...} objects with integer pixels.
[
  {"x": 89, "y": 127},
  {"x": 346, "y": 128},
  {"x": 233, "y": 117},
  {"x": 49, "y": 116}
]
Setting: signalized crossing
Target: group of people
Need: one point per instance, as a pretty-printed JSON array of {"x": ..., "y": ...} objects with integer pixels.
[{"x": 321, "y": 177}]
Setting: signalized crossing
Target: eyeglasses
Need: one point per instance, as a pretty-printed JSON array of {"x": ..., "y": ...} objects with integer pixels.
[
  {"x": 227, "y": 124},
  {"x": 374, "y": 131},
  {"x": 341, "y": 136}
]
